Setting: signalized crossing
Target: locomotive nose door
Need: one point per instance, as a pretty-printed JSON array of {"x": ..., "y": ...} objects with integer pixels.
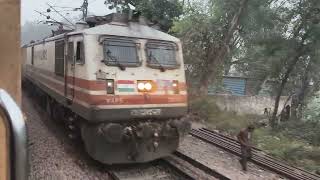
[{"x": 70, "y": 73}]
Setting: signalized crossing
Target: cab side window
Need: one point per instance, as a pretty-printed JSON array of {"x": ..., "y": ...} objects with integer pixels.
[
  {"x": 32, "y": 55},
  {"x": 59, "y": 58},
  {"x": 80, "y": 53}
]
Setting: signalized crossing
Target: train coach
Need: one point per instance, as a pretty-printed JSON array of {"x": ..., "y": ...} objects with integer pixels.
[{"x": 120, "y": 83}]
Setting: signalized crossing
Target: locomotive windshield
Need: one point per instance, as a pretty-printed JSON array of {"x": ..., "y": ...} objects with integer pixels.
[
  {"x": 120, "y": 53},
  {"x": 161, "y": 55}
]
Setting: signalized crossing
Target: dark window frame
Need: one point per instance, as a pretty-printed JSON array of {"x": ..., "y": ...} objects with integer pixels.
[
  {"x": 154, "y": 45},
  {"x": 80, "y": 53},
  {"x": 59, "y": 63},
  {"x": 70, "y": 53},
  {"x": 123, "y": 63},
  {"x": 32, "y": 55}
]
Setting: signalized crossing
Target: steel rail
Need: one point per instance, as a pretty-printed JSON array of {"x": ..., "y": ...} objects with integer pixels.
[
  {"x": 165, "y": 163},
  {"x": 183, "y": 174},
  {"x": 200, "y": 166},
  {"x": 266, "y": 161},
  {"x": 275, "y": 165},
  {"x": 237, "y": 152},
  {"x": 113, "y": 175},
  {"x": 266, "y": 156}
]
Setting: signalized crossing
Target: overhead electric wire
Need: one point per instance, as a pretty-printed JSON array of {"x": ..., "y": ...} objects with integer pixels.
[
  {"x": 64, "y": 7},
  {"x": 55, "y": 21},
  {"x": 61, "y": 15}
]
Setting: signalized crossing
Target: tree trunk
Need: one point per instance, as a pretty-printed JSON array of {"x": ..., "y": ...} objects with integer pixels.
[
  {"x": 276, "y": 105},
  {"x": 302, "y": 93},
  {"x": 217, "y": 56},
  {"x": 284, "y": 81}
]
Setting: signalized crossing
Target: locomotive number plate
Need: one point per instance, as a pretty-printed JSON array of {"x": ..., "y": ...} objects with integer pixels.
[{"x": 146, "y": 112}]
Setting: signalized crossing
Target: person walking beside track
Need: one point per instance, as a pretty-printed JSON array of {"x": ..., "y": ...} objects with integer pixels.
[{"x": 244, "y": 138}]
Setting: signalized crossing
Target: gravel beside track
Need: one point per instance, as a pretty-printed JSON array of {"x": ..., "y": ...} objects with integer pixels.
[
  {"x": 52, "y": 156},
  {"x": 159, "y": 170},
  {"x": 223, "y": 162}
]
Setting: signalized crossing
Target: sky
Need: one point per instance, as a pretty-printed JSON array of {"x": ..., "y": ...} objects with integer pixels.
[{"x": 28, "y": 7}]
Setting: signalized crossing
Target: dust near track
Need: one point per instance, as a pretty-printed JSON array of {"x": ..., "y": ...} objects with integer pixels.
[{"x": 51, "y": 154}]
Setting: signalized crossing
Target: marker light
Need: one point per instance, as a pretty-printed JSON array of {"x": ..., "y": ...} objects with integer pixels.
[
  {"x": 148, "y": 86},
  {"x": 175, "y": 86},
  {"x": 110, "y": 86},
  {"x": 141, "y": 86}
]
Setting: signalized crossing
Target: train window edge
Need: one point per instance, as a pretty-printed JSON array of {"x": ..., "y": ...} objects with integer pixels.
[
  {"x": 19, "y": 167},
  {"x": 158, "y": 63},
  {"x": 80, "y": 53},
  {"x": 5, "y": 146},
  {"x": 59, "y": 57},
  {"x": 120, "y": 42}
]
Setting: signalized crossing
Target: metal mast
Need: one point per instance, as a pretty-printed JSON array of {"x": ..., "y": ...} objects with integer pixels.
[{"x": 84, "y": 9}]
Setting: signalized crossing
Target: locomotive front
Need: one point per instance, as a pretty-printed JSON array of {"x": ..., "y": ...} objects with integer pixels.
[{"x": 141, "y": 113}]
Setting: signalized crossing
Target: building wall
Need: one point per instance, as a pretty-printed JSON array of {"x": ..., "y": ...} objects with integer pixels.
[
  {"x": 236, "y": 86},
  {"x": 247, "y": 104},
  {"x": 10, "y": 56},
  {"x": 230, "y": 85}
]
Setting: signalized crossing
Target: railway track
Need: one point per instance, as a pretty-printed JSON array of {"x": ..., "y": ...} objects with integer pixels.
[
  {"x": 177, "y": 167},
  {"x": 160, "y": 169},
  {"x": 258, "y": 156},
  {"x": 207, "y": 170}
]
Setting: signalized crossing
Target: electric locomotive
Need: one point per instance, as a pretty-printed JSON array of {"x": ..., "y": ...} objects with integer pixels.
[{"x": 121, "y": 82}]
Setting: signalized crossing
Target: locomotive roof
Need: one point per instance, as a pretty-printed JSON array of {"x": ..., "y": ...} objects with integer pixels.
[
  {"x": 128, "y": 30},
  {"x": 131, "y": 29}
]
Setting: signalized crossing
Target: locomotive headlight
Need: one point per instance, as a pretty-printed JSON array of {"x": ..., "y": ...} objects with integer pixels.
[
  {"x": 141, "y": 86},
  {"x": 148, "y": 86},
  {"x": 110, "y": 84}
]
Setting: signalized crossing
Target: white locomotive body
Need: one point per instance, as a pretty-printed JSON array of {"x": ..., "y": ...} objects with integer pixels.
[{"x": 123, "y": 84}]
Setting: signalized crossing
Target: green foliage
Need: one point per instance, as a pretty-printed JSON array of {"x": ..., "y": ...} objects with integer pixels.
[
  {"x": 307, "y": 131},
  {"x": 204, "y": 107},
  {"x": 161, "y": 12},
  {"x": 203, "y": 29},
  {"x": 216, "y": 118},
  {"x": 295, "y": 142},
  {"x": 269, "y": 49},
  {"x": 312, "y": 112},
  {"x": 296, "y": 152},
  {"x": 199, "y": 29}
]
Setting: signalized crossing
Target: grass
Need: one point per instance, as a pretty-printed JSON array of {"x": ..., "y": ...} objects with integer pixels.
[{"x": 294, "y": 142}]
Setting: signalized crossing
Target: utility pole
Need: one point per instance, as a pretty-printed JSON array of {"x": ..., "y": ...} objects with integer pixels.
[{"x": 84, "y": 9}]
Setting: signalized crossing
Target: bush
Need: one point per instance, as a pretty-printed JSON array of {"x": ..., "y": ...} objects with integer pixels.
[
  {"x": 296, "y": 152},
  {"x": 203, "y": 107},
  {"x": 303, "y": 130},
  {"x": 291, "y": 141},
  {"x": 220, "y": 120}
]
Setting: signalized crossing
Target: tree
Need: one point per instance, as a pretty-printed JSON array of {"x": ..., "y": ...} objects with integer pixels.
[
  {"x": 213, "y": 34},
  {"x": 159, "y": 12},
  {"x": 285, "y": 53}
]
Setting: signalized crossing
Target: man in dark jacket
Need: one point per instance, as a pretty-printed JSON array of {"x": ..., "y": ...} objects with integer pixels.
[{"x": 244, "y": 138}]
